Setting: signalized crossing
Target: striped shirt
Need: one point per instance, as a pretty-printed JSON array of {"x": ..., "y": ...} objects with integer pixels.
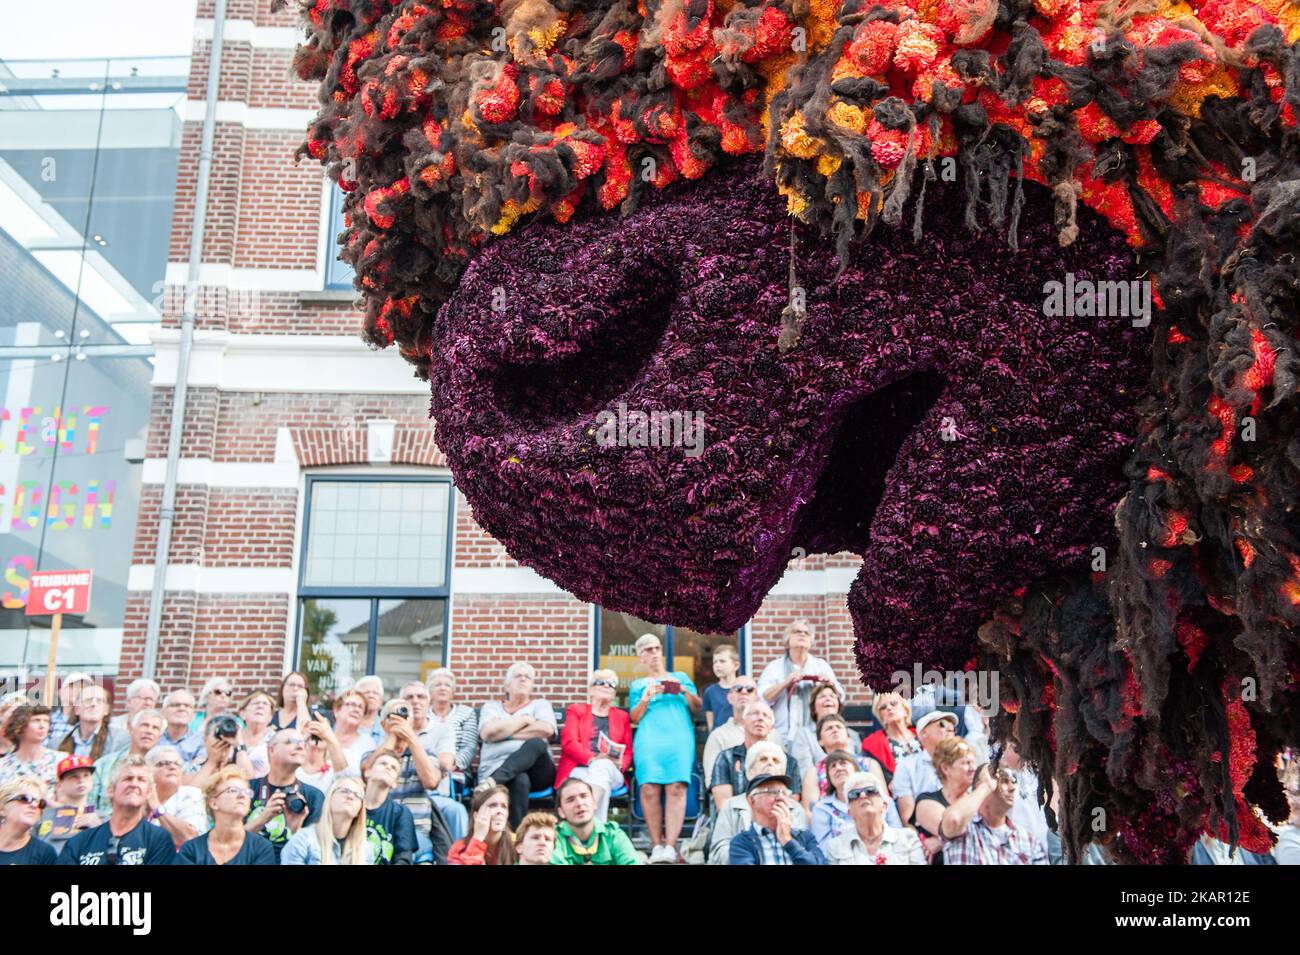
[{"x": 772, "y": 852}]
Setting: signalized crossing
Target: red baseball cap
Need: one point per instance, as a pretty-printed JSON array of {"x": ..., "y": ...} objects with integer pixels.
[{"x": 70, "y": 763}]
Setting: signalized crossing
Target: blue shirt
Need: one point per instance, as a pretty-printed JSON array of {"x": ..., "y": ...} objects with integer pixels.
[
  {"x": 193, "y": 753},
  {"x": 256, "y": 850},
  {"x": 35, "y": 852},
  {"x": 277, "y": 829},
  {"x": 143, "y": 845},
  {"x": 716, "y": 702}
]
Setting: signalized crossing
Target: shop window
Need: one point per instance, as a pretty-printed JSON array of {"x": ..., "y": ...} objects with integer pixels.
[
  {"x": 338, "y": 274},
  {"x": 688, "y": 650}
]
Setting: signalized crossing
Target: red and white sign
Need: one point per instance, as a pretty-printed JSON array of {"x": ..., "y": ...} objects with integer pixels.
[{"x": 59, "y": 591}]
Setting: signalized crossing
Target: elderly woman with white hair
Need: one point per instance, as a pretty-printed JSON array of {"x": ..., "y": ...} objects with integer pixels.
[
  {"x": 596, "y": 745},
  {"x": 461, "y": 719},
  {"x": 216, "y": 697},
  {"x": 870, "y": 839},
  {"x": 664, "y": 705},
  {"x": 177, "y": 808},
  {"x": 515, "y": 732},
  {"x": 787, "y": 682},
  {"x": 763, "y": 758},
  {"x": 371, "y": 689}
]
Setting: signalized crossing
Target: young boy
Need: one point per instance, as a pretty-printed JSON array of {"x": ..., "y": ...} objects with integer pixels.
[{"x": 726, "y": 664}]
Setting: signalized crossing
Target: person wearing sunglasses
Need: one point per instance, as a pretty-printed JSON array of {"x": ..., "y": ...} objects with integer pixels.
[
  {"x": 175, "y": 807},
  {"x": 227, "y": 797},
  {"x": 127, "y": 838},
  {"x": 21, "y": 802},
  {"x": 772, "y": 838},
  {"x": 596, "y": 744},
  {"x": 871, "y": 840},
  {"x": 216, "y": 697},
  {"x": 339, "y": 837},
  {"x": 731, "y": 731}
]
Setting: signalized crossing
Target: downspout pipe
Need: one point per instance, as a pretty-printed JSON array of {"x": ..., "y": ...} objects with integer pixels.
[{"x": 167, "y": 511}]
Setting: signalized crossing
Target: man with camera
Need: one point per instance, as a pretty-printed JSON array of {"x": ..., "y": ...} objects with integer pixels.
[
  {"x": 422, "y": 749},
  {"x": 281, "y": 803}
]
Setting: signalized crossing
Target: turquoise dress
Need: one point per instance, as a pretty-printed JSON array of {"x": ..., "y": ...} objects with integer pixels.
[{"x": 663, "y": 748}]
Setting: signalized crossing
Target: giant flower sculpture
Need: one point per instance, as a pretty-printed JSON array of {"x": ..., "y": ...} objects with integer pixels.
[{"x": 827, "y": 229}]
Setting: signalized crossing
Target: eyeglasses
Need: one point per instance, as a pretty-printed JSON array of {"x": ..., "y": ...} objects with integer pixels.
[
  {"x": 220, "y": 692},
  {"x": 237, "y": 791},
  {"x": 27, "y": 799},
  {"x": 606, "y": 683},
  {"x": 350, "y": 793},
  {"x": 293, "y": 741},
  {"x": 773, "y": 793},
  {"x": 855, "y": 794},
  {"x": 166, "y": 764},
  {"x": 741, "y": 688}
]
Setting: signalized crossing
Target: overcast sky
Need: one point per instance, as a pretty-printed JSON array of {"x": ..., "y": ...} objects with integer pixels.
[{"x": 72, "y": 29}]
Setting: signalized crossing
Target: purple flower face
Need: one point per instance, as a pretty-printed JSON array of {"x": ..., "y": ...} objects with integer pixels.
[{"x": 931, "y": 418}]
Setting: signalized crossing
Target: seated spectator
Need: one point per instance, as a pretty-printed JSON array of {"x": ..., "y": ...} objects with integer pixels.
[
  {"x": 896, "y": 738},
  {"x": 766, "y": 757},
  {"x": 729, "y": 777},
  {"x": 389, "y": 825},
  {"x": 282, "y": 806},
  {"x": 21, "y": 802},
  {"x": 1028, "y": 813},
  {"x": 371, "y": 689},
  {"x": 353, "y": 740},
  {"x": 228, "y": 798},
  {"x": 176, "y": 808},
  {"x": 322, "y": 755},
  {"x": 127, "y": 838},
  {"x": 177, "y": 711},
  {"x": 717, "y": 696},
  {"x": 256, "y": 712},
  {"x": 1287, "y": 850},
  {"x": 975, "y": 827},
  {"x": 515, "y": 734},
  {"x": 69, "y": 811},
  {"x": 834, "y": 735},
  {"x": 141, "y": 694},
  {"x": 216, "y": 697},
  {"x": 338, "y": 836},
  {"x": 8, "y": 703},
  {"x": 581, "y": 838},
  {"x": 535, "y": 840},
  {"x": 596, "y": 744},
  {"x": 772, "y": 838},
  {"x": 787, "y": 682},
  {"x": 831, "y": 814},
  {"x": 490, "y": 841},
  {"x": 871, "y": 840},
  {"x": 90, "y": 733},
  {"x": 462, "y": 719},
  {"x": 663, "y": 707},
  {"x": 146, "y": 729},
  {"x": 806, "y": 745},
  {"x": 731, "y": 732},
  {"x": 26, "y": 729},
  {"x": 223, "y": 745},
  {"x": 914, "y": 774},
  {"x": 291, "y": 702},
  {"x": 954, "y": 762},
  {"x": 64, "y": 715}
]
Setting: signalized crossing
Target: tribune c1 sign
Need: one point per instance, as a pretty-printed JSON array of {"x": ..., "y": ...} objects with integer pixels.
[{"x": 59, "y": 591}]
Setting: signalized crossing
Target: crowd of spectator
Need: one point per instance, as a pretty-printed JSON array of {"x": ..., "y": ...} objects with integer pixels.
[{"x": 420, "y": 777}]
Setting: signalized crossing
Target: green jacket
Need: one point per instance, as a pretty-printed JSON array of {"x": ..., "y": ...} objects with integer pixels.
[{"x": 612, "y": 847}]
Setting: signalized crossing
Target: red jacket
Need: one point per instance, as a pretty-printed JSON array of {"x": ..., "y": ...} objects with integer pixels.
[
  {"x": 877, "y": 745},
  {"x": 575, "y": 738}
]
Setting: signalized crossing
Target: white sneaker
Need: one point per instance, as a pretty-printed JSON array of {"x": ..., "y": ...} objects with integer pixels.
[{"x": 662, "y": 854}]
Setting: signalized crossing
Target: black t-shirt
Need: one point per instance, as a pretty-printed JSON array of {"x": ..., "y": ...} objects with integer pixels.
[
  {"x": 391, "y": 831},
  {"x": 599, "y": 724},
  {"x": 729, "y": 769},
  {"x": 277, "y": 830},
  {"x": 143, "y": 845},
  {"x": 936, "y": 796},
  {"x": 34, "y": 853},
  {"x": 256, "y": 850}
]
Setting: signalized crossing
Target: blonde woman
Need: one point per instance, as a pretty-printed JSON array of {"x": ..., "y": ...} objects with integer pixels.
[
  {"x": 896, "y": 738},
  {"x": 339, "y": 837},
  {"x": 228, "y": 797},
  {"x": 21, "y": 802},
  {"x": 257, "y": 711},
  {"x": 956, "y": 763}
]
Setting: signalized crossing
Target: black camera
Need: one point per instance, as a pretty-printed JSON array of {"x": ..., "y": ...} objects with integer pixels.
[
  {"x": 224, "y": 726},
  {"x": 401, "y": 710},
  {"x": 293, "y": 800}
]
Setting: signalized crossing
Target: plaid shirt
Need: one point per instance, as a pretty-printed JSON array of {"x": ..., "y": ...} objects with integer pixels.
[
  {"x": 773, "y": 853},
  {"x": 982, "y": 845}
]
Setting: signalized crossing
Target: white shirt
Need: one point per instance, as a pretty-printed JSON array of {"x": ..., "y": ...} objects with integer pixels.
[
  {"x": 788, "y": 719},
  {"x": 186, "y": 804}
]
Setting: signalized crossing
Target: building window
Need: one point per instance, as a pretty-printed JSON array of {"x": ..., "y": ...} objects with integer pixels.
[
  {"x": 684, "y": 649},
  {"x": 338, "y": 274},
  {"x": 373, "y": 583}
]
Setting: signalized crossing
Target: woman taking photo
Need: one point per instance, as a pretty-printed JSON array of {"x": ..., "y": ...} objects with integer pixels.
[
  {"x": 228, "y": 797},
  {"x": 339, "y": 837},
  {"x": 256, "y": 712},
  {"x": 955, "y": 763},
  {"x": 216, "y": 697},
  {"x": 491, "y": 842},
  {"x": 596, "y": 745},
  {"x": 21, "y": 802},
  {"x": 896, "y": 738},
  {"x": 291, "y": 702},
  {"x": 663, "y": 707}
]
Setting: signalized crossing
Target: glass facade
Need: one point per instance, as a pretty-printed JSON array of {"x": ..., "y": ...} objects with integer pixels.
[
  {"x": 687, "y": 650},
  {"x": 88, "y": 160}
]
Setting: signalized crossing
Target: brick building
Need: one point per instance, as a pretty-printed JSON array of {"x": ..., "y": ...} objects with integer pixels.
[{"x": 307, "y": 457}]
